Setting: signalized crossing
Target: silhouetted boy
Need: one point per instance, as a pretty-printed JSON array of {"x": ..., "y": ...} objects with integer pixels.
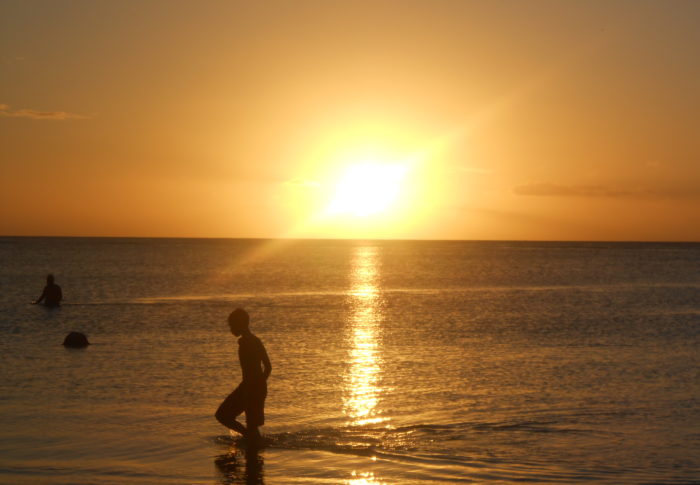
[
  {"x": 52, "y": 294},
  {"x": 249, "y": 396}
]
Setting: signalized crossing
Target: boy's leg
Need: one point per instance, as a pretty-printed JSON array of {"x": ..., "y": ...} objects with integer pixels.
[
  {"x": 232, "y": 406},
  {"x": 255, "y": 414},
  {"x": 254, "y": 434}
]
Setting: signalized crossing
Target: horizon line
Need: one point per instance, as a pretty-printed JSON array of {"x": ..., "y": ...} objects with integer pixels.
[{"x": 251, "y": 238}]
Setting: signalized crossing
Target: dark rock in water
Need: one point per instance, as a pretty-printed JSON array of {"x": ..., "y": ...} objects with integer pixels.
[{"x": 76, "y": 340}]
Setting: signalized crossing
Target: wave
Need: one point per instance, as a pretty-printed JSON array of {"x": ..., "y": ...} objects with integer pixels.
[
  {"x": 447, "y": 453},
  {"x": 267, "y": 296},
  {"x": 433, "y": 442},
  {"x": 415, "y": 451}
]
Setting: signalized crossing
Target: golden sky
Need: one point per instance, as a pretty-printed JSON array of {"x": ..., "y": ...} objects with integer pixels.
[{"x": 562, "y": 120}]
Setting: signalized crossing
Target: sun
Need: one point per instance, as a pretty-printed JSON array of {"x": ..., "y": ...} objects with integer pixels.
[{"x": 367, "y": 188}]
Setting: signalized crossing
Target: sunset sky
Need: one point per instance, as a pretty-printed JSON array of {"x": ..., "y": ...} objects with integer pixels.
[{"x": 562, "y": 120}]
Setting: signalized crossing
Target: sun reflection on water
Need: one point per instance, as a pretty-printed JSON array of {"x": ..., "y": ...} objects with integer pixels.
[
  {"x": 362, "y": 386},
  {"x": 363, "y": 478}
]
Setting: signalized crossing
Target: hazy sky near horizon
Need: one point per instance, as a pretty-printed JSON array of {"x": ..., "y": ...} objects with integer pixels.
[{"x": 546, "y": 120}]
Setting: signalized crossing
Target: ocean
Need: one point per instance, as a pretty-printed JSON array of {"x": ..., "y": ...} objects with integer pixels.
[{"x": 393, "y": 362}]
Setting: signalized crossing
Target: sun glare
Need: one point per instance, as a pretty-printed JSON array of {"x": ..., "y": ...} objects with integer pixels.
[
  {"x": 367, "y": 188},
  {"x": 365, "y": 181}
]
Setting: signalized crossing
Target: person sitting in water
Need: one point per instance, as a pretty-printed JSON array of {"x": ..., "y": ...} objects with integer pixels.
[
  {"x": 52, "y": 294},
  {"x": 250, "y": 394}
]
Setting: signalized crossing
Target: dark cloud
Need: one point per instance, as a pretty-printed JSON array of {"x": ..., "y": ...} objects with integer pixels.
[
  {"x": 547, "y": 189},
  {"x": 33, "y": 114}
]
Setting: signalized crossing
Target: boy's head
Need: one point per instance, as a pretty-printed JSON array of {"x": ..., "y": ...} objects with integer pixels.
[
  {"x": 49, "y": 279},
  {"x": 238, "y": 321}
]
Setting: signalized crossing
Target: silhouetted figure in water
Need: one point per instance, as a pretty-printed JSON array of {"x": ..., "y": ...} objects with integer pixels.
[
  {"x": 52, "y": 294},
  {"x": 249, "y": 396}
]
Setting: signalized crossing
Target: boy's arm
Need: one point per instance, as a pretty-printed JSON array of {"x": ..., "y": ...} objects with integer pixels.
[
  {"x": 43, "y": 295},
  {"x": 267, "y": 366}
]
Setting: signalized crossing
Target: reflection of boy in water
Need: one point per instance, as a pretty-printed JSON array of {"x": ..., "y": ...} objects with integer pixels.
[
  {"x": 52, "y": 294},
  {"x": 250, "y": 394}
]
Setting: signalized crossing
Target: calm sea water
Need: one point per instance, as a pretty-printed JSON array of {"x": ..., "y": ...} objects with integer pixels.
[{"x": 393, "y": 362}]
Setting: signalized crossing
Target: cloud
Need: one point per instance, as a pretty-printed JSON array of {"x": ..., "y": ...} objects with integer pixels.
[
  {"x": 546, "y": 189},
  {"x": 33, "y": 114},
  {"x": 11, "y": 59}
]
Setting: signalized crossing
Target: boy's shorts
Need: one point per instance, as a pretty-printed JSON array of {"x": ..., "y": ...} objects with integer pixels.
[{"x": 248, "y": 397}]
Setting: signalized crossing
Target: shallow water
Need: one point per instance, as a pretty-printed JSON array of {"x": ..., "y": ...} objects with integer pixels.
[{"x": 393, "y": 362}]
